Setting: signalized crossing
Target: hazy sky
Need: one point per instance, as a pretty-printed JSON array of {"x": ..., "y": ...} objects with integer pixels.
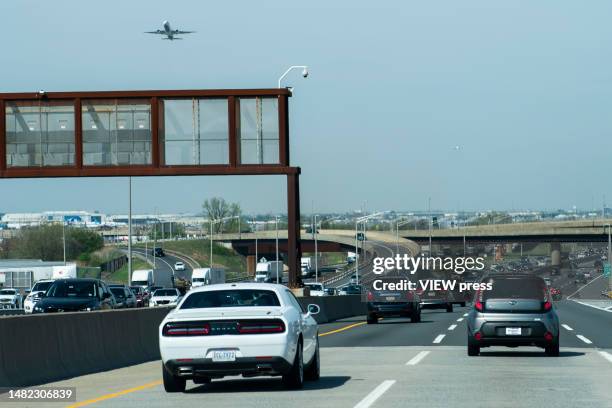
[{"x": 523, "y": 87}]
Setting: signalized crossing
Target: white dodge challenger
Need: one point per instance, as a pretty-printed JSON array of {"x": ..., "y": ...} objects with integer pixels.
[{"x": 248, "y": 329}]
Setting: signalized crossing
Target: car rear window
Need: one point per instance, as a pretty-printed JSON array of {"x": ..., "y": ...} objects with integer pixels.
[
  {"x": 231, "y": 298},
  {"x": 516, "y": 288},
  {"x": 165, "y": 292}
]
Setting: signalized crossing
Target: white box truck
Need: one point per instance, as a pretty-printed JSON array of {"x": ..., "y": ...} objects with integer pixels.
[
  {"x": 269, "y": 271},
  {"x": 143, "y": 278},
  {"x": 68, "y": 271},
  {"x": 306, "y": 266},
  {"x": 207, "y": 276}
]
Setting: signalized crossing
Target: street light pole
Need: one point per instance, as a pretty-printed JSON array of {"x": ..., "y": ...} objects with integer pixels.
[
  {"x": 277, "y": 278},
  {"x": 316, "y": 250},
  {"x": 129, "y": 229},
  {"x": 609, "y": 256},
  {"x": 430, "y": 222},
  {"x": 64, "y": 239},
  {"x": 304, "y": 72}
]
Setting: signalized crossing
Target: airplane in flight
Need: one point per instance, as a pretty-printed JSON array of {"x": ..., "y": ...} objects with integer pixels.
[{"x": 169, "y": 32}]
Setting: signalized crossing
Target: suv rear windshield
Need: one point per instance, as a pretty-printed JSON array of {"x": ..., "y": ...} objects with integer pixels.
[
  {"x": 516, "y": 288},
  {"x": 165, "y": 292},
  {"x": 231, "y": 298},
  {"x": 72, "y": 289}
]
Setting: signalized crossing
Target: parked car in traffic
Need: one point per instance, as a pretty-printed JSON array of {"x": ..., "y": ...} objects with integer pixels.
[
  {"x": 517, "y": 311},
  {"x": 316, "y": 289},
  {"x": 437, "y": 299},
  {"x": 74, "y": 295},
  {"x": 350, "y": 290},
  {"x": 10, "y": 298},
  {"x": 248, "y": 329},
  {"x": 165, "y": 297},
  {"x": 387, "y": 302},
  {"x": 142, "y": 296},
  {"x": 124, "y": 296},
  {"x": 34, "y": 296}
]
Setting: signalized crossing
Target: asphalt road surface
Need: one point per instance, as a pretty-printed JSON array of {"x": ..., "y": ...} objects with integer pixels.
[
  {"x": 164, "y": 267},
  {"x": 396, "y": 363}
]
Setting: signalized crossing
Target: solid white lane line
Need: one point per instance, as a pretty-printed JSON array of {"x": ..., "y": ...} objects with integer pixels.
[
  {"x": 439, "y": 338},
  {"x": 460, "y": 319},
  {"x": 566, "y": 327},
  {"x": 606, "y": 355},
  {"x": 452, "y": 327},
  {"x": 581, "y": 337},
  {"x": 465, "y": 315},
  {"x": 375, "y": 394},
  {"x": 417, "y": 359}
]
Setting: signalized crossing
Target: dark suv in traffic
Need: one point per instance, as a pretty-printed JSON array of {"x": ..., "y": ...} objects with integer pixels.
[
  {"x": 76, "y": 295},
  {"x": 516, "y": 311},
  {"x": 385, "y": 301}
]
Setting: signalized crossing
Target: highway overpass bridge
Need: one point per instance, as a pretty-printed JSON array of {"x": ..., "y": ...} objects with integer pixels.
[{"x": 551, "y": 232}]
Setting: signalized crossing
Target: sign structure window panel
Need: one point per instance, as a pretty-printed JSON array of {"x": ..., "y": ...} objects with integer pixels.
[
  {"x": 116, "y": 132},
  {"x": 195, "y": 131},
  {"x": 39, "y": 134},
  {"x": 259, "y": 131}
]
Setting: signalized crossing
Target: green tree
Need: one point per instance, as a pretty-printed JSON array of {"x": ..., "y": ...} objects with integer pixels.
[
  {"x": 217, "y": 208},
  {"x": 46, "y": 242}
]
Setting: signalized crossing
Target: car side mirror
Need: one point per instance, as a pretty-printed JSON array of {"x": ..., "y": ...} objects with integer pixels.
[
  {"x": 41, "y": 295},
  {"x": 313, "y": 309},
  {"x": 106, "y": 295}
]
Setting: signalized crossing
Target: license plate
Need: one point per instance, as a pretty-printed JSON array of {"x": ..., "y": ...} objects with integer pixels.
[
  {"x": 513, "y": 331},
  {"x": 224, "y": 355},
  {"x": 432, "y": 293},
  {"x": 390, "y": 298}
]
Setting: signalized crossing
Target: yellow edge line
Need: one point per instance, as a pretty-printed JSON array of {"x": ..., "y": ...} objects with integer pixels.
[
  {"x": 350, "y": 326},
  {"x": 114, "y": 394},
  {"x": 155, "y": 383}
]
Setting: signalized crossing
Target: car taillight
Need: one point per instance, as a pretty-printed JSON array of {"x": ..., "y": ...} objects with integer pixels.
[
  {"x": 177, "y": 329},
  {"x": 262, "y": 327},
  {"x": 370, "y": 296},
  {"x": 478, "y": 306},
  {"x": 547, "y": 305},
  {"x": 410, "y": 295},
  {"x": 478, "y": 336},
  {"x": 548, "y": 336}
]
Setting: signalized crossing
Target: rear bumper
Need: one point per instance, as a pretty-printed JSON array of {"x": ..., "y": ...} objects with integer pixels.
[
  {"x": 435, "y": 303},
  {"x": 391, "y": 309},
  {"x": 246, "y": 366}
]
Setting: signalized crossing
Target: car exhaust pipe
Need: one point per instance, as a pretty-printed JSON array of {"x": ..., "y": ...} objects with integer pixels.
[
  {"x": 264, "y": 368},
  {"x": 185, "y": 371}
]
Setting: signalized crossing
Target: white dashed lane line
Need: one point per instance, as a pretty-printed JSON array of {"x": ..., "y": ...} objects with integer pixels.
[
  {"x": 417, "y": 359},
  {"x": 460, "y": 319},
  {"x": 606, "y": 355},
  {"x": 452, "y": 327},
  {"x": 581, "y": 337},
  {"x": 566, "y": 327},
  {"x": 439, "y": 338},
  {"x": 465, "y": 315},
  {"x": 375, "y": 394}
]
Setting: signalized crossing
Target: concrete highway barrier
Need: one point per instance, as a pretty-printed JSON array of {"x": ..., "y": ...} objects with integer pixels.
[{"x": 38, "y": 349}]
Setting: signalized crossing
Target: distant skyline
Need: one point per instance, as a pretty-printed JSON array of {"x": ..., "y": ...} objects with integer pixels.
[{"x": 523, "y": 88}]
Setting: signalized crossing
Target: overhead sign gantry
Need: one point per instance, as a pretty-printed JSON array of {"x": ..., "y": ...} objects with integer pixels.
[{"x": 152, "y": 133}]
